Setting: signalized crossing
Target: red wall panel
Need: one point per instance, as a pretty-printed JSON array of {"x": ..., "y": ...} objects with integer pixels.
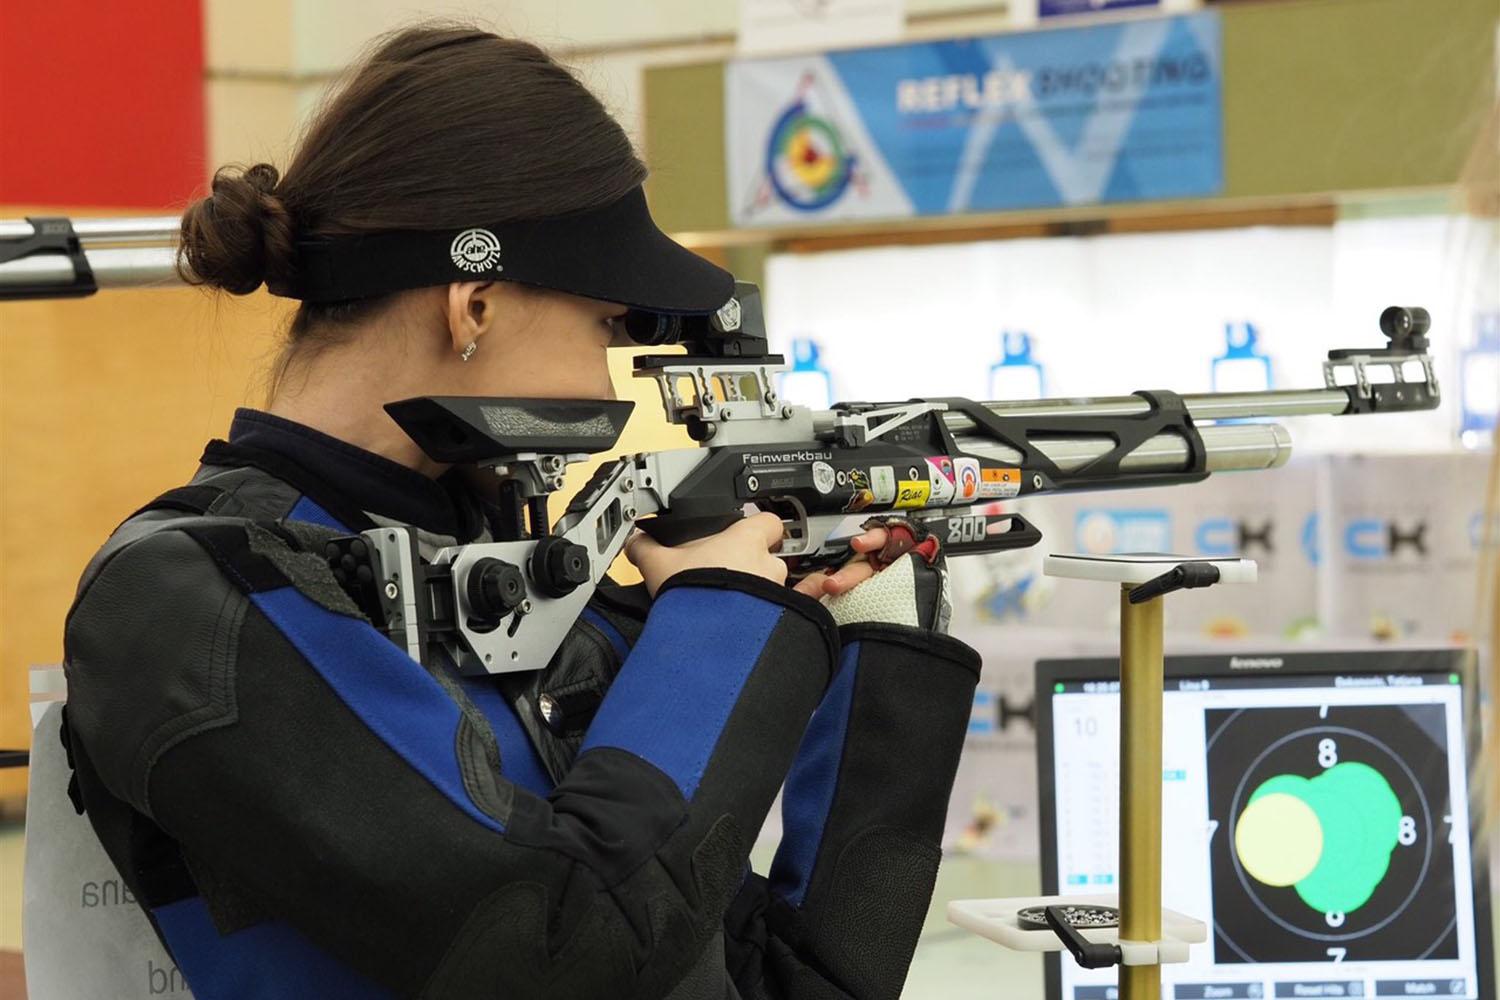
[{"x": 101, "y": 103}]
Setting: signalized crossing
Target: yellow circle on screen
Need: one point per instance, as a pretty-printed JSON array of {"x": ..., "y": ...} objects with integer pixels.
[{"x": 1279, "y": 839}]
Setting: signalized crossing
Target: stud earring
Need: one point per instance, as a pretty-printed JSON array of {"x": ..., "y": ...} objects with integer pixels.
[{"x": 469, "y": 351}]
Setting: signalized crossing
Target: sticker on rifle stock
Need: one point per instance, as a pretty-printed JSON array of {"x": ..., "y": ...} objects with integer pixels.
[
  {"x": 883, "y": 483},
  {"x": 863, "y": 496},
  {"x": 940, "y": 480},
  {"x": 966, "y": 480},
  {"x": 912, "y": 493},
  {"x": 999, "y": 484},
  {"x": 823, "y": 477}
]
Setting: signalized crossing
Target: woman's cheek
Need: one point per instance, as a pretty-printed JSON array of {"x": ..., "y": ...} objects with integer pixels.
[{"x": 606, "y": 382}]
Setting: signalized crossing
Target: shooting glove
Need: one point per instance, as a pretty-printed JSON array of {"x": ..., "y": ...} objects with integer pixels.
[{"x": 910, "y": 586}]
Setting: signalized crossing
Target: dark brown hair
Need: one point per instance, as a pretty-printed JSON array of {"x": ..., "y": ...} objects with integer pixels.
[{"x": 437, "y": 127}]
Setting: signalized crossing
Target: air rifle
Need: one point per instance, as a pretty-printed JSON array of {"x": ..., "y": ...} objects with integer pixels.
[{"x": 506, "y": 605}]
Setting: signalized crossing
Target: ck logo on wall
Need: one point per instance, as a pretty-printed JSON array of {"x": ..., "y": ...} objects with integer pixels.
[
  {"x": 1373, "y": 538},
  {"x": 1370, "y": 540},
  {"x": 1223, "y": 536}
]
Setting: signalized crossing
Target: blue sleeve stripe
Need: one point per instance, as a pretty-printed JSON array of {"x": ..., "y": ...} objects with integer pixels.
[
  {"x": 594, "y": 618},
  {"x": 307, "y": 510},
  {"x": 388, "y": 690},
  {"x": 518, "y": 758},
  {"x": 807, "y": 798},
  {"x": 675, "y": 691},
  {"x": 268, "y": 961}
]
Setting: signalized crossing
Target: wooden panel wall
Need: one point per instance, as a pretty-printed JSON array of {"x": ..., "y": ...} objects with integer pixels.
[{"x": 104, "y": 402}]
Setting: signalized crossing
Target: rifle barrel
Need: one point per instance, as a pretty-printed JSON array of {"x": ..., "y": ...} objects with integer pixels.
[
  {"x": 118, "y": 267},
  {"x": 156, "y": 230}
]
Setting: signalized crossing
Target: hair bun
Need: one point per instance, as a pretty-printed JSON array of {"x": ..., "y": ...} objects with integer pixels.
[{"x": 241, "y": 235}]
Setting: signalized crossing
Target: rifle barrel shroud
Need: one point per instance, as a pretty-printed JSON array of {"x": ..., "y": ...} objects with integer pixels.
[{"x": 1228, "y": 447}]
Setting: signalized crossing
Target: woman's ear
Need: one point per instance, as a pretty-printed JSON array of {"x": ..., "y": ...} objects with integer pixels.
[{"x": 473, "y": 310}]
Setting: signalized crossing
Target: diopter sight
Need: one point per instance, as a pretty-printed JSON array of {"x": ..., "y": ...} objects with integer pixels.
[
  {"x": 1407, "y": 327},
  {"x": 1393, "y": 378}
]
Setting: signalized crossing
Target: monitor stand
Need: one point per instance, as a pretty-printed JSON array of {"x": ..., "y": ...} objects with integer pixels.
[{"x": 1130, "y": 930}]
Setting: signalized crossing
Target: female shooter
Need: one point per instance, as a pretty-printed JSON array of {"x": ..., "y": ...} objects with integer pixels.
[{"x": 304, "y": 810}]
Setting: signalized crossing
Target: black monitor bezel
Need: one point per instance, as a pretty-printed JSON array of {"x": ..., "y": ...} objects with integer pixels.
[{"x": 1289, "y": 663}]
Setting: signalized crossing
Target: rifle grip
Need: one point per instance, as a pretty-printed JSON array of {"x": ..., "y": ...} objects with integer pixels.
[{"x": 674, "y": 529}]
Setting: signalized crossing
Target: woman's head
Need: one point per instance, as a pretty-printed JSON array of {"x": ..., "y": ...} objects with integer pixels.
[{"x": 439, "y": 126}]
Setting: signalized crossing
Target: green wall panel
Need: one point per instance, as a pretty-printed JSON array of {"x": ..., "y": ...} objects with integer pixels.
[
  {"x": 685, "y": 146},
  {"x": 1342, "y": 95}
]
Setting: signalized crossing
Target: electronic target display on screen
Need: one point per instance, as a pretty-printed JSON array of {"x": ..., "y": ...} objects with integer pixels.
[{"x": 1315, "y": 814}]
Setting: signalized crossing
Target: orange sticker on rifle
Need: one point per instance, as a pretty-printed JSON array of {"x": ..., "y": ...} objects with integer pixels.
[{"x": 999, "y": 484}]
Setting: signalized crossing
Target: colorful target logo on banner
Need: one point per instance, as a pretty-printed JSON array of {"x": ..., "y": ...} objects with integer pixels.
[{"x": 807, "y": 162}]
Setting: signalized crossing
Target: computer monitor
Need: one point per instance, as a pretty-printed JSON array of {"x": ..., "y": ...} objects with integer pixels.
[{"x": 1315, "y": 814}]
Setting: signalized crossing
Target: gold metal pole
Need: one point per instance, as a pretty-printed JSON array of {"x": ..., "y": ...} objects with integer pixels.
[{"x": 1140, "y": 787}]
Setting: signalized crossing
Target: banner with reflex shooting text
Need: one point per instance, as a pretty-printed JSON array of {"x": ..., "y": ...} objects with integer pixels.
[{"x": 1129, "y": 111}]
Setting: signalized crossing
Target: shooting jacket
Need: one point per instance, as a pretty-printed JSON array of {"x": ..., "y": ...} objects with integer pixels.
[{"x": 304, "y": 810}]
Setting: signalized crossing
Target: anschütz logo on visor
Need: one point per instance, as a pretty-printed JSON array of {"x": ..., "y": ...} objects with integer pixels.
[{"x": 476, "y": 250}]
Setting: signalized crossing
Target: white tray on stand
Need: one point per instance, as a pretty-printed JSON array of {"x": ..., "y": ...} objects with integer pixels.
[{"x": 996, "y": 919}]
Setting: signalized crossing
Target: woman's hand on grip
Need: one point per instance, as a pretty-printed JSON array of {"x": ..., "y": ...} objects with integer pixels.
[{"x": 746, "y": 546}]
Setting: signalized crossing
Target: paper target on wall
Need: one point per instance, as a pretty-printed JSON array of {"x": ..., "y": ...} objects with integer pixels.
[{"x": 1332, "y": 834}]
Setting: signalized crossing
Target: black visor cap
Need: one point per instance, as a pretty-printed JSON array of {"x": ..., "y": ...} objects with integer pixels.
[{"x": 614, "y": 253}]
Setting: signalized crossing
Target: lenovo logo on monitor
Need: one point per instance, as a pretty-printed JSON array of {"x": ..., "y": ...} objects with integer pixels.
[{"x": 1255, "y": 662}]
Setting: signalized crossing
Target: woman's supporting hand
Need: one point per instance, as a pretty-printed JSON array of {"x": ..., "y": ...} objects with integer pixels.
[
  {"x": 850, "y": 575},
  {"x": 911, "y": 587}
]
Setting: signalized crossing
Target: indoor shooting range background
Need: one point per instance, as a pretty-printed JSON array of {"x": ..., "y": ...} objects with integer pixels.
[{"x": 1349, "y": 163}]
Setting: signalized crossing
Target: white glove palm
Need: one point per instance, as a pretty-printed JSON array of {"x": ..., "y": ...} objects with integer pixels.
[{"x": 908, "y": 592}]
